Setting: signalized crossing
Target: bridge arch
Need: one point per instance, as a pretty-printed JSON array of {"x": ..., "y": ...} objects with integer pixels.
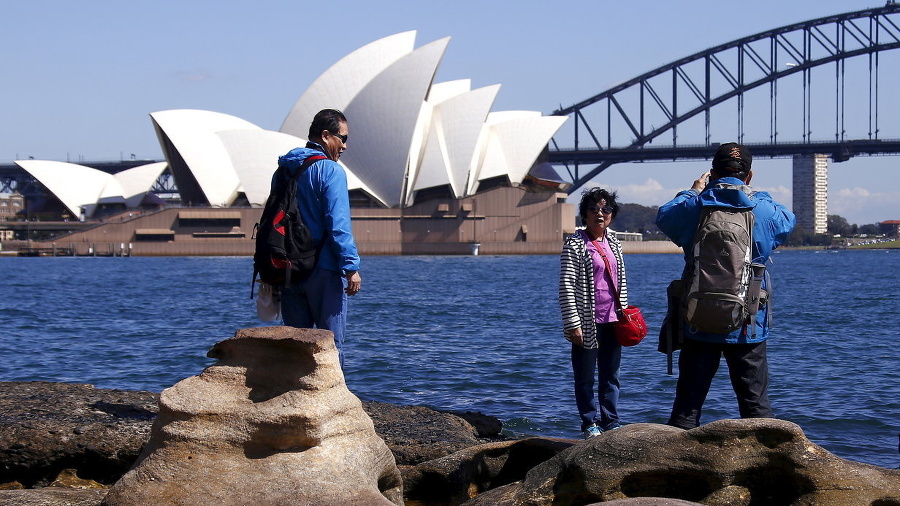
[{"x": 686, "y": 88}]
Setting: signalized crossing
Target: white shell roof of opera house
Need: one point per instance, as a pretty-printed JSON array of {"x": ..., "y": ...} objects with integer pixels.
[{"x": 407, "y": 133}]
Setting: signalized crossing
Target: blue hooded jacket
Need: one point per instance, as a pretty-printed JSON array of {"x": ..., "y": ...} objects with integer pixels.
[
  {"x": 679, "y": 217},
  {"x": 324, "y": 204}
]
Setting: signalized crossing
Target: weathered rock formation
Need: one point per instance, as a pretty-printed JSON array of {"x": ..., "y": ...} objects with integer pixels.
[
  {"x": 728, "y": 462},
  {"x": 271, "y": 422},
  {"x": 48, "y": 427}
]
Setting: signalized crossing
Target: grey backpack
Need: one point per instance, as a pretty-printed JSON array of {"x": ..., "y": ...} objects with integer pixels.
[{"x": 722, "y": 285}]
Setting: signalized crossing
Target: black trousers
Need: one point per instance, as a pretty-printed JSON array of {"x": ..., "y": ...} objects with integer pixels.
[{"x": 697, "y": 365}]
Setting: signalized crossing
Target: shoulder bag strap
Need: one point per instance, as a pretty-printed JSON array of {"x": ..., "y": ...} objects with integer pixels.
[{"x": 612, "y": 281}]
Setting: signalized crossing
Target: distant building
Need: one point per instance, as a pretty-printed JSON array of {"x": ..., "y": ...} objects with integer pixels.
[
  {"x": 811, "y": 192},
  {"x": 890, "y": 228},
  {"x": 10, "y": 205},
  {"x": 629, "y": 236}
]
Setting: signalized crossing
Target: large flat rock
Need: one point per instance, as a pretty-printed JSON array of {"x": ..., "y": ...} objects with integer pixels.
[{"x": 48, "y": 427}]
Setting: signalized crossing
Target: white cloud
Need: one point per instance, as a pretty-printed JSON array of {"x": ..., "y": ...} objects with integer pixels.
[
  {"x": 862, "y": 206},
  {"x": 853, "y": 192},
  {"x": 649, "y": 193},
  {"x": 653, "y": 193},
  {"x": 782, "y": 194},
  {"x": 855, "y": 203}
]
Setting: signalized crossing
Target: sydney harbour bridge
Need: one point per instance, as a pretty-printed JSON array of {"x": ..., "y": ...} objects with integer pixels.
[
  {"x": 802, "y": 89},
  {"x": 809, "y": 88}
]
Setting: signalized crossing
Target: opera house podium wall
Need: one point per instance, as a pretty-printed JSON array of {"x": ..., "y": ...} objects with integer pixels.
[{"x": 502, "y": 221}]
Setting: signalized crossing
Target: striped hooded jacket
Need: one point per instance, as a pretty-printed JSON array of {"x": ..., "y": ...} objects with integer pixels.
[{"x": 576, "y": 285}]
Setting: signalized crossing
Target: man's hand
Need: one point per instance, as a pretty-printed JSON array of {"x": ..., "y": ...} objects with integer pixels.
[
  {"x": 575, "y": 336},
  {"x": 701, "y": 182},
  {"x": 354, "y": 283}
]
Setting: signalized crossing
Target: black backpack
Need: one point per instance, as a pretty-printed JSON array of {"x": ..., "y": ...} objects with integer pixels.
[{"x": 286, "y": 251}]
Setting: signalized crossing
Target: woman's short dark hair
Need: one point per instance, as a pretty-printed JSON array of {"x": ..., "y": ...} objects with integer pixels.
[
  {"x": 326, "y": 119},
  {"x": 593, "y": 196}
]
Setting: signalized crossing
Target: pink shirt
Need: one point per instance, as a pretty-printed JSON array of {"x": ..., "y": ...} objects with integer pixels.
[{"x": 604, "y": 301}]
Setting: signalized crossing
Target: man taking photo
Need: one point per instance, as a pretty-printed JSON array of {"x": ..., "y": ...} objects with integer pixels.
[{"x": 724, "y": 189}]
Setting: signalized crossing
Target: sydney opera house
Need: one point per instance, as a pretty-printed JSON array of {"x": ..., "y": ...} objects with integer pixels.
[{"x": 431, "y": 169}]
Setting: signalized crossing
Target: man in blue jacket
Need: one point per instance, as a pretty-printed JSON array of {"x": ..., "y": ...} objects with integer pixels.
[
  {"x": 320, "y": 301},
  {"x": 744, "y": 350}
]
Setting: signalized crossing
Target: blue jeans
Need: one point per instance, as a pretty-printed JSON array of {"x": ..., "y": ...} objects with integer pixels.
[
  {"x": 318, "y": 302},
  {"x": 748, "y": 368},
  {"x": 603, "y": 409}
]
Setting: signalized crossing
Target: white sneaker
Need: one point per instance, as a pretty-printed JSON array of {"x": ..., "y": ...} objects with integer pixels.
[{"x": 592, "y": 431}]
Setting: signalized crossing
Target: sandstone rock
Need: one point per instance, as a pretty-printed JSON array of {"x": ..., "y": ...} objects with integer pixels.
[
  {"x": 647, "y": 501},
  {"x": 51, "y": 497},
  {"x": 271, "y": 422},
  {"x": 465, "y": 474},
  {"x": 485, "y": 426},
  {"x": 728, "y": 462},
  {"x": 68, "y": 478},
  {"x": 418, "y": 434},
  {"x": 48, "y": 427}
]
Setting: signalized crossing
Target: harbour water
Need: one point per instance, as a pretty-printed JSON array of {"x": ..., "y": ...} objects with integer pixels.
[{"x": 478, "y": 333}]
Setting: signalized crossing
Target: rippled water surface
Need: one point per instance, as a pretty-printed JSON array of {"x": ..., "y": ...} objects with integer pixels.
[{"x": 470, "y": 333}]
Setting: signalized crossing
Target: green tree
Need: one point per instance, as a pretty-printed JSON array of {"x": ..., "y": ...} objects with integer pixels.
[
  {"x": 837, "y": 225},
  {"x": 803, "y": 237},
  {"x": 799, "y": 236},
  {"x": 870, "y": 229},
  {"x": 640, "y": 219}
]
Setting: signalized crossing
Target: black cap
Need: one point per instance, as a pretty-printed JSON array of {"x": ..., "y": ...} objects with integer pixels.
[{"x": 732, "y": 157}]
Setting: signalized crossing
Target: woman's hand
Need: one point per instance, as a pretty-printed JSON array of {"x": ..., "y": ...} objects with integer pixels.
[{"x": 575, "y": 336}]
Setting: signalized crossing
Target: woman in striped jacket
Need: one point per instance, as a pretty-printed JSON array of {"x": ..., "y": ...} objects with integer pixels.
[{"x": 591, "y": 277}]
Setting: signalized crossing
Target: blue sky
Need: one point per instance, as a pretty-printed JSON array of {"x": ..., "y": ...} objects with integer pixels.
[{"x": 80, "y": 78}]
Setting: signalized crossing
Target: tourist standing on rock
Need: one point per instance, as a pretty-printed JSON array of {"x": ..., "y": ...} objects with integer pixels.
[
  {"x": 320, "y": 301},
  {"x": 591, "y": 276},
  {"x": 744, "y": 348}
]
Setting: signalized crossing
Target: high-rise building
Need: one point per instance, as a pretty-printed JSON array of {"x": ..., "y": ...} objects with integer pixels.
[{"x": 811, "y": 192}]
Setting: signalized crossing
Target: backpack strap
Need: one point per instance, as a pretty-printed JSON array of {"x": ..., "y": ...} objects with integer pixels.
[
  {"x": 303, "y": 166},
  {"x": 291, "y": 181},
  {"x": 293, "y": 191}
]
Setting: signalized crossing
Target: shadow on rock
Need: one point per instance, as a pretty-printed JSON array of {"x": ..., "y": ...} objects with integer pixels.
[{"x": 463, "y": 475}]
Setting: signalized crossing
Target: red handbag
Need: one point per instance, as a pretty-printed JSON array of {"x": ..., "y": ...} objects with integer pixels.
[{"x": 631, "y": 328}]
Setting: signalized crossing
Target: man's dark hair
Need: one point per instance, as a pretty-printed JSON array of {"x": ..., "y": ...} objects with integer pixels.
[
  {"x": 593, "y": 196},
  {"x": 326, "y": 119}
]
